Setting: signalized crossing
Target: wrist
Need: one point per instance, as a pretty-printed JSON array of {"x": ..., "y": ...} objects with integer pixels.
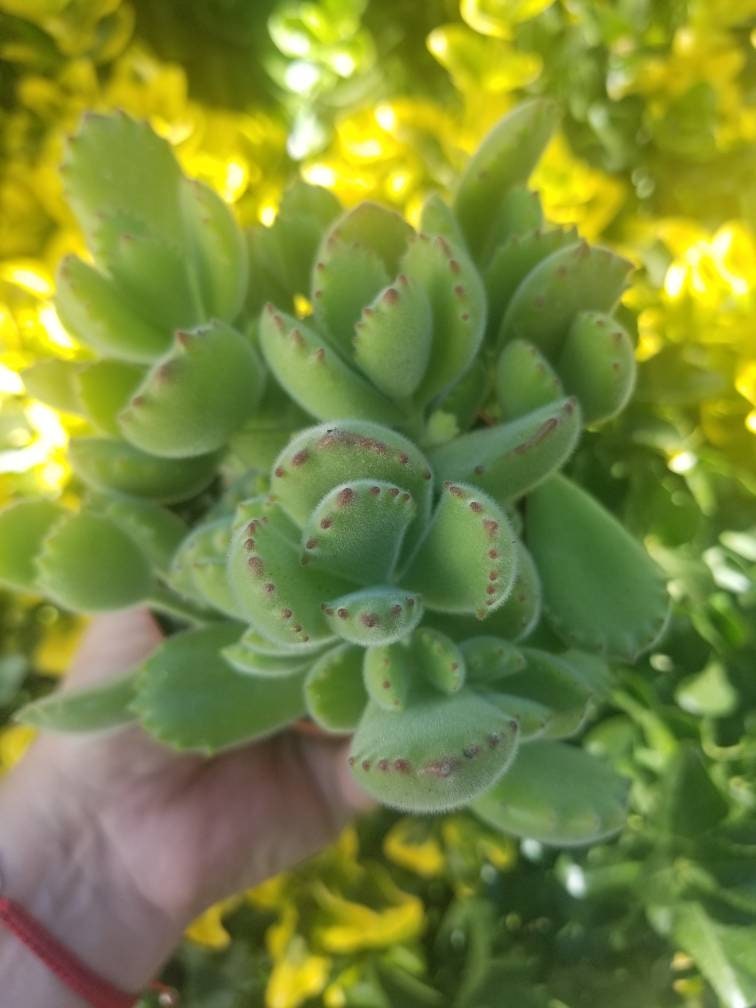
[{"x": 60, "y": 867}]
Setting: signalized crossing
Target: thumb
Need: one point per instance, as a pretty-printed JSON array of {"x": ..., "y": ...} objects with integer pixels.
[{"x": 112, "y": 644}]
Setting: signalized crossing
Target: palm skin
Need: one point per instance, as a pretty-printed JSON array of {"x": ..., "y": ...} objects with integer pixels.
[{"x": 171, "y": 833}]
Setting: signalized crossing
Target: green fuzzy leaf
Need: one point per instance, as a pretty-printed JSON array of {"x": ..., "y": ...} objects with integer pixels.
[
  {"x": 119, "y": 163},
  {"x": 510, "y": 459},
  {"x": 357, "y": 529},
  {"x": 197, "y": 396},
  {"x": 334, "y": 689},
  {"x": 466, "y": 562},
  {"x": 601, "y": 590},
  {"x": 282, "y": 256},
  {"x": 387, "y": 673},
  {"x": 314, "y": 375},
  {"x": 437, "y": 218},
  {"x": 149, "y": 271},
  {"x": 342, "y": 285},
  {"x": 556, "y": 794},
  {"x": 199, "y": 567},
  {"x": 89, "y": 564},
  {"x": 490, "y": 659},
  {"x": 157, "y": 532},
  {"x": 84, "y": 710},
  {"x": 280, "y": 597},
  {"x": 117, "y": 467},
  {"x": 436, "y": 755},
  {"x": 372, "y": 226},
  {"x": 377, "y": 615},
  {"x": 552, "y": 682},
  {"x": 321, "y": 458},
  {"x": 392, "y": 340},
  {"x": 219, "y": 250},
  {"x": 457, "y": 304},
  {"x": 519, "y": 213},
  {"x": 513, "y": 261},
  {"x": 525, "y": 381},
  {"x": 569, "y": 281},
  {"x": 597, "y": 364},
  {"x": 245, "y": 658},
  {"x": 93, "y": 311},
  {"x": 439, "y": 660},
  {"x": 23, "y": 527},
  {"x": 463, "y": 402},
  {"x": 190, "y": 698},
  {"x": 104, "y": 388},
  {"x": 513, "y": 620},
  {"x": 54, "y": 382},
  {"x": 505, "y": 159}
]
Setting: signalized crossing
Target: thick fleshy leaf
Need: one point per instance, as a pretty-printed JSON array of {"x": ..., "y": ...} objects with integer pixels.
[
  {"x": 103, "y": 390},
  {"x": 437, "y": 218},
  {"x": 552, "y": 682},
  {"x": 513, "y": 261},
  {"x": 372, "y": 226},
  {"x": 597, "y": 364},
  {"x": 93, "y": 311},
  {"x": 155, "y": 530},
  {"x": 119, "y": 163},
  {"x": 466, "y": 562},
  {"x": 490, "y": 659},
  {"x": 387, "y": 672},
  {"x": 117, "y": 467},
  {"x": 321, "y": 458},
  {"x": 437, "y": 754},
  {"x": 244, "y": 657},
  {"x": 438, "y": 659},
  {"x": 23, "y": 527},
  {"x": 601, "y": 590},
  {"x": 150, "y": 271},
  {"x": 357, "y": 530},
  {"x": 219, "y": 250},
  {"x": 377, "y": 615},
  {"x": 83, "y": 710},
  {"x": 280, "y": 597},
  {"x": 393, "y": 337},
  {"x": 343, "y": 283},
  {"x": 556, "y": 794},
  {"x": 197, "y": 396},
  {"x": 54, "y": 382},
  {"x": 457, "y": 302},
  {"x": 190, "y": 698},
  {"x": 525, "y": 381},
  {"x": 89, "y": 564},
  {"x": 505, "y": 159},
  {"x": 334, "y": 690},
  {"x": 689, "y": 802},
  {"x": 510, "y": 459},
  {"x": 315, "y": 376},
  {"x": 569, "y": 281},
  {"x": 199, "y": 569}
]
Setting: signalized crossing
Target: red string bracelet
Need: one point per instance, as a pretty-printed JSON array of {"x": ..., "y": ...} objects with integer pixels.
[{"x": 70, "y": 970}]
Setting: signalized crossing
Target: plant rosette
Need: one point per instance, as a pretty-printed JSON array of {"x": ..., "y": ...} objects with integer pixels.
[{"x": 334, "y": 447}]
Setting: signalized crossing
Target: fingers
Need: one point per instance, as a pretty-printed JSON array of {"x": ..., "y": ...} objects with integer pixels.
[
  {"x": 113, "y": 643},
  {"x": 336, "y": 783}
]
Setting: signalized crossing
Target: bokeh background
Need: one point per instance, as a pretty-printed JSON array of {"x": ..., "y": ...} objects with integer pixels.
[{"x": 656, "y": 157}]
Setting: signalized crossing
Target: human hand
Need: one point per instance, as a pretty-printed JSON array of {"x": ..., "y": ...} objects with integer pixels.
[{"x": 136, "y": 840}]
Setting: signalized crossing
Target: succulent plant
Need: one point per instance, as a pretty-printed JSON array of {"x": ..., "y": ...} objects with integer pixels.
[{"x": 389, "y": 547}]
